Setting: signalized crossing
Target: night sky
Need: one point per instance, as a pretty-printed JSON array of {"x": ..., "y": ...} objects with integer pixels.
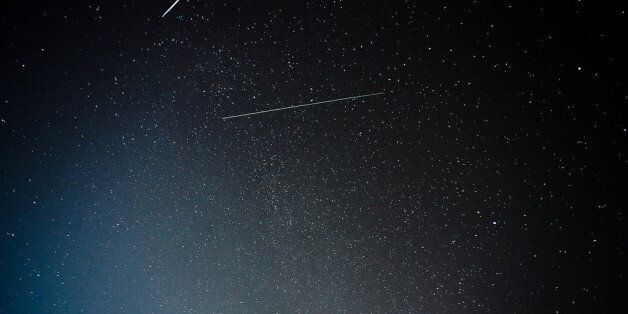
[{"x": 489, "y": 177}]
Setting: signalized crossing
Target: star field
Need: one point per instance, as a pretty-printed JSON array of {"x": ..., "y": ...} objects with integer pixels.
[{"x": 490, "y": 176}]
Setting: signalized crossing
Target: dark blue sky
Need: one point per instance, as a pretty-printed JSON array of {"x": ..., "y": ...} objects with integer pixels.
[{"x": 489, "y": 177}]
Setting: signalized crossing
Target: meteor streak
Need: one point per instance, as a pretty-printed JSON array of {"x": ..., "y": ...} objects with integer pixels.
[
  {"x": 302, "y": 105},
  {"x": 170, "y": 8}
]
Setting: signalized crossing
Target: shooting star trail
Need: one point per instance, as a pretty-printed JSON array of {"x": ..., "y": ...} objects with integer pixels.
[
  {"x": 302, "y": 105},
  {"x": 170, "y": 8}
]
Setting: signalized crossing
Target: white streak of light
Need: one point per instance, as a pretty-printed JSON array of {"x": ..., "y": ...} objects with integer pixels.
[
  {"x": 170, "y": 8},
  {"x": 302, "y": 105}
]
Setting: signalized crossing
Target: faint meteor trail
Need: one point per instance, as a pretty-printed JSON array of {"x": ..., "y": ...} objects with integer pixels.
[
  {"x": 170, "y": 8},
  {"x": 302, "y": 105}
]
